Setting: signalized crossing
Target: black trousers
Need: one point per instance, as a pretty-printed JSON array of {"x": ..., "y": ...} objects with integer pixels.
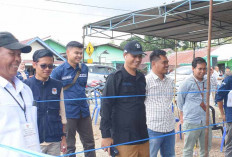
[{"x": 84, "y": 128}]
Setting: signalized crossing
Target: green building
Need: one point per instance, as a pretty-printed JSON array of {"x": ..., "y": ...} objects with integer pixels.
[{"x": 108, "y": 54}]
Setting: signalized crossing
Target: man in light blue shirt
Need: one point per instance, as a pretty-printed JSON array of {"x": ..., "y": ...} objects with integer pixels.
[{"x": 191, "y": 102}]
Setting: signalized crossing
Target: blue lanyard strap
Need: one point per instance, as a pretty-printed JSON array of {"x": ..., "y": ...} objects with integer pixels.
[{"x": 24, "y": 106}]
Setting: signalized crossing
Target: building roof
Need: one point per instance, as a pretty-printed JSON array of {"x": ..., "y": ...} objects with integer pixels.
[
  {"x": 146, "y": 58},
  {"x": 186, "y": 57},
  {"x": 49, "y": 38},
  {"x": 41, "y": 42},
  {"x": 109, "y": 44},
  {"x": 227, "y": 52}
]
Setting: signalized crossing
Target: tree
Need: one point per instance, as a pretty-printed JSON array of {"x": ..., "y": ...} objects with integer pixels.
[{"x": 150, "y": 43}]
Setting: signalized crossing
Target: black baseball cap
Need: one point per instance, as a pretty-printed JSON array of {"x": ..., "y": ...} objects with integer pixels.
[
  {"x": 41, "y": 53},
  {"x": 133, "y": 47},
  {"x": 7, "y": 40}
]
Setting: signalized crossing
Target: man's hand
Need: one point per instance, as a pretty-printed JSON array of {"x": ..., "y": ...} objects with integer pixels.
[
  {"x": 107, "y": 142},
  {"x": 181, "y": 118},
  {"x": 63, "y": 145},
  {"x": 223, "y": 117},
  {"x": 203, "y": 106}
]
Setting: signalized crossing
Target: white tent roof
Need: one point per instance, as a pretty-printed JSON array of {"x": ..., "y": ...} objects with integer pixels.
[{"x": 224, "y": 52}]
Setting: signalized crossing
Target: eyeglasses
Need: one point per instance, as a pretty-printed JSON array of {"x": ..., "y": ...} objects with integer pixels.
[{"x": 45, "y": 66}]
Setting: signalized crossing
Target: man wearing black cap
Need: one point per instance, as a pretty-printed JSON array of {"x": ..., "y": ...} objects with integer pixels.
[
  {"x": 123, "y": 119},
  {"x": 18, "y": 116},
  {"x": 74, "y": 75},
  {"x": 51, "y": 115}
]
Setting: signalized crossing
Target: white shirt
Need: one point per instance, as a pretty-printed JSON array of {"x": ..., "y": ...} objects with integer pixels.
[
  {"x": 217, "y": 75},
  {"x": 160, "y": 116},
  {"x": 12, "y": 117}
]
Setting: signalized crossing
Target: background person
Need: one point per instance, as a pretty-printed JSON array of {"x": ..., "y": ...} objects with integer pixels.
[
  {"x": 217, "y": 74},
  {"x": 18, "y": 115},
  {"x": 227, "y": 72},
  {"x": 51, "y": 115},
  {"x": 77, "y": 111},
  {"x": 124, "y": 119},
  {"x": 22, "y": 74},
  {"x": 213, "y": 82}
]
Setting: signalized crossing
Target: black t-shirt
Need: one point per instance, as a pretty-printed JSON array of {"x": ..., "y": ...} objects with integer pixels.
[{"x": 124, "y": 118}]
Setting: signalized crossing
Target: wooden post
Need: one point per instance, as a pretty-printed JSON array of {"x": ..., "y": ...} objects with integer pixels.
[
  {"x": 175, "y": 73},
  {"x": 208, "y": 79}
]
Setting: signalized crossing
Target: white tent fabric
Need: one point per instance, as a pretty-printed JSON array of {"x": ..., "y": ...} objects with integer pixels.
[{"x": 224, "y": 52}]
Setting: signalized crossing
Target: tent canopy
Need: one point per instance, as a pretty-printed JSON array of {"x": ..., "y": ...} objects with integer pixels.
[{"x": 186, "y": 20}]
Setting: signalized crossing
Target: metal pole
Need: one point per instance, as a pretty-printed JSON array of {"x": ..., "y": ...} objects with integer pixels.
[
  {"x": 175, "y": 72},
  {"x": 83, "y": 42},
  {"x": 194, "y": 47},
  {"x": 208, "y": 78}
]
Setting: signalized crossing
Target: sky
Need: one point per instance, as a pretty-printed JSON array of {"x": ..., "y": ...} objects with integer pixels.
[{"x": 63, "y": 19}]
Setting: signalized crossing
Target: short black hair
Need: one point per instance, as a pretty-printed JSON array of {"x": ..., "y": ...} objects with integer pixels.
[
  {"x": 215, "y": 66},
  {"x": 42, "y": 53},
  {"x": 74, "y": 44},
  {"x": 227, "y": 67},
  {"x": 197, "y": 60},
  {"x": 155, "y": 55}
]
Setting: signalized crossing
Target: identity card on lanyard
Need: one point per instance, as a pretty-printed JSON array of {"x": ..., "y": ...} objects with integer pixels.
[
  {"x": 28, "y": 130},
  {"x": 30, "y": 137}
]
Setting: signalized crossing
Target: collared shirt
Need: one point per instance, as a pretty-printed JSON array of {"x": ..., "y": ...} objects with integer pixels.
[
  {"x": 222, "y": 94},
  {"x": 66, "y": 74},
  {"x": 189, "y": 99},
  {"x": 160, "y": 116},
  {"x": 13, "y": 118},
  {"x": 124, "y": 118}
]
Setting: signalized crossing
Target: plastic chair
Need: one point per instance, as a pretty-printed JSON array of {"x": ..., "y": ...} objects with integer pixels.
[
  {"x": 223, "y": 139},
  {"x": 97, "y": 95},
  {"x": 216, "y": 127},
  {"x": 177, "y": 120}
]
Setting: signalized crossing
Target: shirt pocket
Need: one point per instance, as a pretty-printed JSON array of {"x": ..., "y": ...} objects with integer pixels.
[
  {"x": 55, "y": 126},
  {"x": 66, "y": 82},
  {"x": 82, "y": 81}
]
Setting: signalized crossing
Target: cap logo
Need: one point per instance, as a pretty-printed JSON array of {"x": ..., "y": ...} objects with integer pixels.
[{"x": 137, "y": 45}]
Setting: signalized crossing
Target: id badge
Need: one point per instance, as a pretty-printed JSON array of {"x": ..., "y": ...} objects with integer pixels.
[
  {"x": 29, "y": 135},
  {"x": 229, "y": 99}
]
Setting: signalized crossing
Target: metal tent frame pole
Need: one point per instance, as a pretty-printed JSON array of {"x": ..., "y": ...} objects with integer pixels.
[{"x": 83, "y": 42}]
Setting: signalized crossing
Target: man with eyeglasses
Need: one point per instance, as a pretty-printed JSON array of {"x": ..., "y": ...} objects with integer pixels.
[
  {"x": 51, "y": 117},
  {"x": 18, "y": 127},
  {"x": 123, "y": 119}
]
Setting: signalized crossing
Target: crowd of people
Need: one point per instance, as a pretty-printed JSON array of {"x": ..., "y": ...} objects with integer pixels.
[{"x": 140, "y": 108}]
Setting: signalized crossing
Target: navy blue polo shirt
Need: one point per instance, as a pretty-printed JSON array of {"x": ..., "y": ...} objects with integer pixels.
[
  {"x": 66, "y": 73},
  {"x": 223, "y": 95}
]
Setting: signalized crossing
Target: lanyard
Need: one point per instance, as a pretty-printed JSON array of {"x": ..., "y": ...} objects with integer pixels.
[
  {"x": 24, "y": 107},
  {"x": 202, "y": 94}
]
